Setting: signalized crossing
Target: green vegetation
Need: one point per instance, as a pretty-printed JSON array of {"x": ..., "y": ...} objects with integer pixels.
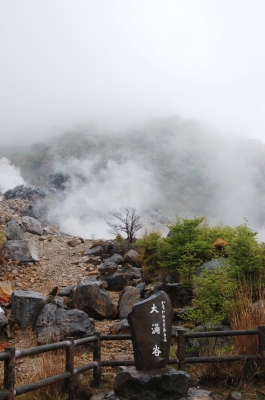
[{"x": 192, "y": 242}]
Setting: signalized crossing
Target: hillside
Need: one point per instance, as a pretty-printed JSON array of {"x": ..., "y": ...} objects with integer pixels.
[{"x": 178, "y": 166}]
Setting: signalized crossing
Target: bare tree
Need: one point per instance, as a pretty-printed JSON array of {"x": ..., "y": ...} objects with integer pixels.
[{"x": 127, "y": 220}]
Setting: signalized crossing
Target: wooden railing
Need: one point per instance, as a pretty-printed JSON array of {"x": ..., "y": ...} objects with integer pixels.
[{"x": 10, "y": 355}]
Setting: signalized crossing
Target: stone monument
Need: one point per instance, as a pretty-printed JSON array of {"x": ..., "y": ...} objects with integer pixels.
[{"x": 150, "y": 323}]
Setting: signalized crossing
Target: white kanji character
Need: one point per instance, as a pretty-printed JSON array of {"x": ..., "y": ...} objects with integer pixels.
[
  {"x": 155, "y": 329},
  {"x": 154, "y": 309},
  {"x": 156, "y": 351}
]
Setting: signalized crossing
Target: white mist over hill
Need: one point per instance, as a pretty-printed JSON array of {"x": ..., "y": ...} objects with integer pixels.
[
  {"x": 93, "y": 194},
  {"x": 10, "y": 175}
]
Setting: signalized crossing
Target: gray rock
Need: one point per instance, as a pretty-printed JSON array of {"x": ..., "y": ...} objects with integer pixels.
[
  {"x": 116, "y": 259},
  {"x": 21, "y": 250},
  {"x": 150, "y": 323},
  {"x": 13, "y": 231},
  {"x": 141, "y": 288},
  {"x": 67, "y": 291},
  {"x": 120, "y": 328},
  {"x": 128, "y": 298},
  {"x": 26, "y": 306},
  {"x": 55, "y": 324},
  {"x": 90, "y": 297},
  {"x": 168, "y": 383},
  {"x": 32, "y": 225},
  {"x": 95, "y": 251},
  {"x": 133, "y": 257},
  {"x": 3, "y": 321},
  {"x": 130, "y": 272},
  {"x": 116, "y": 282},
  {"x": 173, "y": 290},
  {"x": 24, "y": 192},
  {"x": 211, "y": 265},
  {"x": 107, "y": 268}
]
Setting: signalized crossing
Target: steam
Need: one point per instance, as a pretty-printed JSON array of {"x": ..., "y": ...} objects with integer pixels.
[
  {"x": 95, "y": 191},
  {"x": 9, "y": 175}
]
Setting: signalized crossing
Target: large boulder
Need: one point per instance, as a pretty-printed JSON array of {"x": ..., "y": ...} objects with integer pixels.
[
  {"x": 32, "y": 225},
  {"x": 24, "y": 192},
  {"x": 55, "y": 324},
  {"x": 21, "y": 250},
  {"x": 95, "y": 251},
  {"x": 116, "y": 259},
  {"x": 26, "y": 306},
  {"x": 174, "y": 292},
  {"x": 120, "y": 328},
  {"x": 130, "y": 272},
  {"x": 13, "y": 231},
  {"x": 128, "y": 298},
  {"x": 133, "y": 257},
  {"x": 116, "y": 282},
  {"x": 168, "y": 383},
  {"x": 107, "y": 268},
  {"x": 211, "y": 265},
  {"x": 90, "y": 297}
]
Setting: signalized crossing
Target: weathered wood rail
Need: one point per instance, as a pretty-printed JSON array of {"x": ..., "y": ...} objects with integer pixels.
[{"x": 10, "y": 355}]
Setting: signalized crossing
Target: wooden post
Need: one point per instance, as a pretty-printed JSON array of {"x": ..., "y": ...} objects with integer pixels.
[
  {"x": 9, "y": 372},
  {"x": 181, "y": 353},
  {"x": 262, "y": 347},
  {"x": 97, "y": 359},
  {"x": 70, "y": 353}
]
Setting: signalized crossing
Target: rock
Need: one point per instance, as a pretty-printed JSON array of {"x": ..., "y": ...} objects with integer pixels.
[
  {"x": 133, "y": 257},
  {"x": 13, "y": 231},
  {"x": 116, "y": 282},
  {"x": 21, "y": 250},
  {"x": 107, "y": 268},
  {"x": 32, "y": 225},
  {"x": 90, "y": 297},
  {"x": 173, "y": 290},
  {"x": 141, "y": 288},
  {"x": 5, "y": 292},
  {"x": 95, "y": 251},
  {"x": 26, "y": 306},
  {"x": 74, "y": 242},
  {"x": 24, "y": 192},
  {"x": 150, "y": 323},
  {"x": 116, "y": 259},
  {"x": 3, "y": 321},
  {"x": 235, "y": 395},
  {"x": 163, "y": 384},
  {"x": 120, "y": 328},
  {"x": 128, "y": 298},
  {"x": 66, "y": 291},
  {"x": 130, "y": 272},
  {"x": 211, "y": 265},
  {"x": 55, "y": 324},
  {"x": 58, "y": 181}
]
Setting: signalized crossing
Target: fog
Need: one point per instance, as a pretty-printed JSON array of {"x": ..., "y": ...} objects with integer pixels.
[{"x": 117, "y": 63}]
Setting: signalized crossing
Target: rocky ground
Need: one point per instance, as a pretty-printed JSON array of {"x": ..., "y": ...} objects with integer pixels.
[{"x": 62, "y": 265}]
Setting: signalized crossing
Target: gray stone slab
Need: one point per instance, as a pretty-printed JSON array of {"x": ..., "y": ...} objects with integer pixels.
[{"x": 150, "y": 323}]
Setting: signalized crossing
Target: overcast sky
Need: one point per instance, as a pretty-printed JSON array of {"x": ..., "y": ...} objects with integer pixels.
[{"x": 66, "y": 62}]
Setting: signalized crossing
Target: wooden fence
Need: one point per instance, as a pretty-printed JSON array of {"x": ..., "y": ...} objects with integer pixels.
[{"x": 10, "y": 355}]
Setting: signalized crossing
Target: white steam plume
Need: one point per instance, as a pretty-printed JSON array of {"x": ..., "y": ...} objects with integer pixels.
[
  {"x": 100, "y": 191},
  {"x": 9, "y": 175}
]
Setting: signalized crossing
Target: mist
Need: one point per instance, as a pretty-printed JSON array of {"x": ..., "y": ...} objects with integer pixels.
[
  {"x": 117, "y": 64},
  {"x": 10, "y": 175}
]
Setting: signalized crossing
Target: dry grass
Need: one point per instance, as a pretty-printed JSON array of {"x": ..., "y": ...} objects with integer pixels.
[{"x": 242, "y": 316}]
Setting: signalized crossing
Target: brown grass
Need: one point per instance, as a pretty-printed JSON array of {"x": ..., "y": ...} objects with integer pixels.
[{"x": 242, "y": 316}]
